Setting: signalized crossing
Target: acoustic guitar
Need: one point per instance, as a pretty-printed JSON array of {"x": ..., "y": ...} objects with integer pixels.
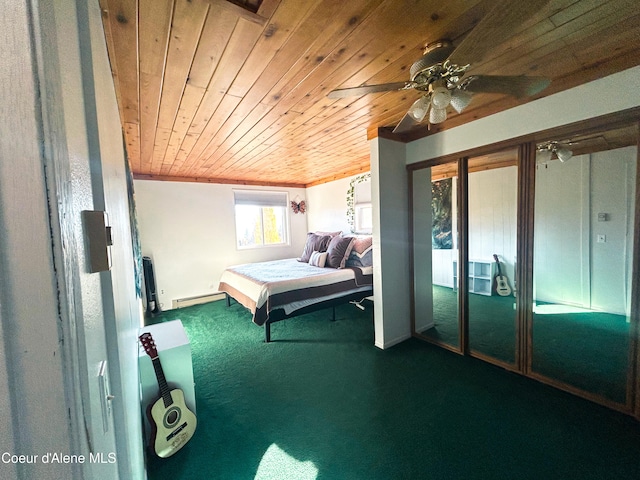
[
  {"x": 501, "y": 283},
  {"x": 173, "y": 424}
]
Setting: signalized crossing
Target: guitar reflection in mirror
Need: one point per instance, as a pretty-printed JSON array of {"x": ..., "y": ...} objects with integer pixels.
[{"x": 501, "y": 284}]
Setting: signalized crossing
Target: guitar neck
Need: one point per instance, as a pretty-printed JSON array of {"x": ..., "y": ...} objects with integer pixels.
[
  {"x": 165, "y": 392},
  {"x": 498, "y": 265}
]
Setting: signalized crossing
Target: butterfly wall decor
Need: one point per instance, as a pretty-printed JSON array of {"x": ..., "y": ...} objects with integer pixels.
[{"x": 300, "y": 207}]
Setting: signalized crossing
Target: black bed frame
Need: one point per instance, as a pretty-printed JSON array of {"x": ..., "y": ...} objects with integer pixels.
[{"x": 278, "y": 314}]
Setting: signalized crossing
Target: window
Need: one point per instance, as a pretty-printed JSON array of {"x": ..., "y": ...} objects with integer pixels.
[
  {"x": 359, "y": 208},
  {"x": 364, "y": 218},
  {"x": 261, "y": 218}
]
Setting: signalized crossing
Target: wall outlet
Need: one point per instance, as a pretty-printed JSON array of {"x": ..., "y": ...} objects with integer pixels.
[{"x": 601, "y": 239}]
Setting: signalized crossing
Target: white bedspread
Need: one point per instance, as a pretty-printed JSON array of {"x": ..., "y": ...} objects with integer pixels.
[{"x": 258, "y": 281}]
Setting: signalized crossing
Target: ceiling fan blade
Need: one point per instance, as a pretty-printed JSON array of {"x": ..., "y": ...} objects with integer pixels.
[
  {"x": 364, "y": 89},
  {"x": 497, "y": 25},
  {"x": 406, "y": 124},
  {"x": 518, "y": 86}
]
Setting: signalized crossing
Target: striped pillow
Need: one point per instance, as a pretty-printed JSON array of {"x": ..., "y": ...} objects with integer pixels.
[{"x": 318, "y": 259}]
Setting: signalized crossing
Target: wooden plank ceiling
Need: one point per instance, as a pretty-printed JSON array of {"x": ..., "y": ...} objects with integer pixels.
[{"x": 236, "y": 92}]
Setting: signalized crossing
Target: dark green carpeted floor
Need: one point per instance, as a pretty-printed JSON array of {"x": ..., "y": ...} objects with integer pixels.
[
  {"x": 491, "y": 322},
  {"x": 323, "y": 402},
  {"x": 586, "y": 349}
]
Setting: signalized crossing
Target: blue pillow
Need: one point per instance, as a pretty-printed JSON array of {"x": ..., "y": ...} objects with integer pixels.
[{"x": 361, "y": 254}]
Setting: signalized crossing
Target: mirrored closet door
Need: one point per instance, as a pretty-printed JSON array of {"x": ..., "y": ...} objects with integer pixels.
[
  {"x": 546, "y": 229},
  {"x": 492, "y": 223},
  {"x": 583, "y": 252},
  {"x": 435, "y": 252}
]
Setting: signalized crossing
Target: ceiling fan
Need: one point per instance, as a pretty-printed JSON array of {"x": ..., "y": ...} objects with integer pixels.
[
  {"x": 561, "y": 150},
  {"x": 439, "y": 75}
]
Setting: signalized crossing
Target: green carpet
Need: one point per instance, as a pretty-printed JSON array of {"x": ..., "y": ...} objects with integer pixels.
[
  {"x": 492, "y": 323},
  {"x": 321, "y": 401},
  {"x": 588, "y": 350},
  {"x": 445, "y": 316}
]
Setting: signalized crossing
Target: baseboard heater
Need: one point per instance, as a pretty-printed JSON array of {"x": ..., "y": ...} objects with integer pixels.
[{"x": 187, "y": 302}]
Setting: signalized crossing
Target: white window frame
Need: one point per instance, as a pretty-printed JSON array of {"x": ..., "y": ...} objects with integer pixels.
[
  {"x": 359, "y": 199},
  {"x": 359, "y": 218},
  {"x": 262, "y": 199}
]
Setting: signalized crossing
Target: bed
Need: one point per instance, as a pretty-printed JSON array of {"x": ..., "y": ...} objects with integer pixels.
[{"x": 276, "y": 290}]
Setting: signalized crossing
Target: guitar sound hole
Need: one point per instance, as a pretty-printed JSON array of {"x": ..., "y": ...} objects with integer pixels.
[{"x": 172, "y": 417}]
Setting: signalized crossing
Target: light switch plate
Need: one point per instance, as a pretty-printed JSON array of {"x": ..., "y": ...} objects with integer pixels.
[{"x": 105, "y": 395}]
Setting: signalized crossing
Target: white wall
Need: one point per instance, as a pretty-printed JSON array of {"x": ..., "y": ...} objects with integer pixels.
[
  {"x": 77, "y": 174},
  {"x": 613, "y": 175},
  {"x": 32, "y": 382},
  {"x": 561, "y": 258},
  {"x": 327, "y": 210},
  {"x": 104, "y": 307},
  {"x": 425, "y": 270},
  {"x": 391, "y": 281},
  {"x": 123, "y": 307},
  {"x": 188, "y": 230},
  {"x": 493, "y": 217},
  {"x": 327, "y": 206},
  {"x": 571, "y": 267},
  {"x": 492, "y": 223}
]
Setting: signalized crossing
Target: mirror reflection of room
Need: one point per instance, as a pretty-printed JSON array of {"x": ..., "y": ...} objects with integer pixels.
[
  {"x": 492, "y": 217},
  {"x": 583, "y": 250},
  {"x": 436, "y": 253},
  {"x": 492, "y": 213}
]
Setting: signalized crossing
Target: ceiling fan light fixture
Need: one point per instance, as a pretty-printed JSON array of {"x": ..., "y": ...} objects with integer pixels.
[
  {"x": 460, "y": 100},
  {"x": 543, "y": 155},
  {"x": 419, "y": 108},
  {"x": 441, "y": 97},
  {"x": 437, "y": 115},
  {"x": 547, "y": 150},
  {"x": 564, "y": 154}
]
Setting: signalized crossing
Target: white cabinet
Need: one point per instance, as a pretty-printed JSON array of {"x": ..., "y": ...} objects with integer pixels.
[{"x": 481, "y": 273}]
